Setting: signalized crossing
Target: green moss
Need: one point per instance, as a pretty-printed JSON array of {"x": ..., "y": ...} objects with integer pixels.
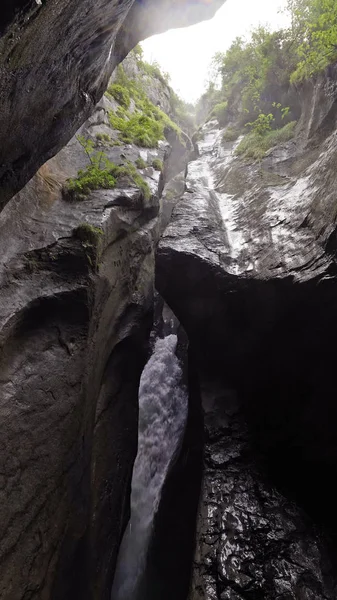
[
  {"x": 254, "y": 146},
  {"x": 88, "y": 233},
  {"x": 140, "y": 163},
  {"x": 120, "y": 94},
  {"x": 157, "y": 164}
]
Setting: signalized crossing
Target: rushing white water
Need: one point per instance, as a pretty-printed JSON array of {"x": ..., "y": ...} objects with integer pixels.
[{"x": 162, "y": 418}]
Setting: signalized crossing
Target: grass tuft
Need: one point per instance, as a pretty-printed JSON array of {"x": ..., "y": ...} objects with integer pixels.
[{"x": 254, "y": 146}]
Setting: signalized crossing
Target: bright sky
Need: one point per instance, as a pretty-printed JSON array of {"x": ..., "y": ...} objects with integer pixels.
[{"x": 186, "y": 53}]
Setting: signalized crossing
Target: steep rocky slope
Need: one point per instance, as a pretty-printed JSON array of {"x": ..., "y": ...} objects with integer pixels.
[
  {"x": 248, "y": 265},
  {"x": 77, "y": 277},
  {"x": 56, "y": 58}
]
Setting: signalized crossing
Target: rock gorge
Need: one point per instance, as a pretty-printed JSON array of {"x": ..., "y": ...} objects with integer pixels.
[{"x": 242, "y": 252}]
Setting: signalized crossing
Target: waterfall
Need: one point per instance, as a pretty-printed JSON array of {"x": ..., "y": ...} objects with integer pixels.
[{"x": 163, "y": 409}]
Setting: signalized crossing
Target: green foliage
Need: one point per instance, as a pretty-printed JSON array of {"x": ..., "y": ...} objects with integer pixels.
[
  {"x": 138, "y": 52},
  {"x": 92, "y": 178},
  {"x": 262, "y": 124},
  {"x": 140, "y": 163},
  {"x": 148, "y": 124},
  {"x": 120, "y": 94},
  {"x": 157, "y": 164},
  {"x": 101, "y": 173},
  {"x": 254, "y": 75},
  {"x": 255, "y": 145},
  {"x": 220, "y": 113},
  {"x": 138, "y": 129},
  {"x": 315, "y": 23},
  {"x": 130, "y": 172},
  {"x": 230, "y": 135}
]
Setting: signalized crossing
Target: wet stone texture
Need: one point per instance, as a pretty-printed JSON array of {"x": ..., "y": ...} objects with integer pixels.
[
  {"x": 56, "y": 58},
  {"x": 252, "y": 543},
  {"x": 248, "y": 265}
]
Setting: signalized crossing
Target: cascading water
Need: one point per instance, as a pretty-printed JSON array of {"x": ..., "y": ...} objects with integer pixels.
[{"x": 163, "y": 406}]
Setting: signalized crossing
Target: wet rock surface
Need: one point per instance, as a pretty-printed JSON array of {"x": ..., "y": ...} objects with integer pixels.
[
  {"x": 252, "y": 543},
  {"x": 76, "y": 310},
  {"x": 247, "y": 263},
  {"x": 56, "y": 60}
]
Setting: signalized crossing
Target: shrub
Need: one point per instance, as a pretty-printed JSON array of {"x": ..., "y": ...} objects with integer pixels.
[
  {"x": 120, "y": 94},
  {"x": 262, "y": 124},
  {"x": 157, "y": 164},
  {"x": 220, "y": 113},
  {"x": 230, "y": 135},
  {"x": 91, "y": 178},
  {"x": 101, "y": 173},
  {"x": 139, "y": 129},
  {"x": 255, "y": 146},
  {"x": 140, "y": 163}
]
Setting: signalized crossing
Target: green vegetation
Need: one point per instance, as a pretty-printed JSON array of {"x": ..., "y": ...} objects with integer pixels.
[
  {"x": 314, "y": 29},
  {"x": 230, "y": 135},
  {"x": 262, "y": 124},
  {"x": 101, "y": 173},
  {"x": 88, "y": 233},
  {"x": 140, "y": 163},
  {"x": 157, "y": 164},
  {"x": 150, "y": 69},
  {"x": 251, "y": 83},
  {"x": 148, "y": 123},
  {"x": 103, "y": 137},
  {"x": 220, "y": 113},
  {"x": 255, "y": 145},
  {"x": 253, "y": 76},
  {"x": 120, "y": 94},
  {"x": 138, "y": 128},
  {"x": 91, "y": 178}
]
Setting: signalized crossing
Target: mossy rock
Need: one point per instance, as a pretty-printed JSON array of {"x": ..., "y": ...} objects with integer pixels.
[
  {"x": 157, "y": 164},
  {"x": 140, "y": 163}
]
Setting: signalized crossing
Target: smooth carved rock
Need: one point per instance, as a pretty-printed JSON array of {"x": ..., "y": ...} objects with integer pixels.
[
  {"x": 56, "y": 58},
  {"x": 75, "y": 315},
  {"x": 248, "y": 265}
]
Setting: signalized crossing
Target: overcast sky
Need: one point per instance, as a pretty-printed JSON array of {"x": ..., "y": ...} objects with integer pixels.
[{"x": 186, "y": 53}]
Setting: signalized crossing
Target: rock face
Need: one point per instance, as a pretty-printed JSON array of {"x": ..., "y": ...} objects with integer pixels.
[
  {"x": 73, "y": 346},
  {"x": 248, "y": 266},
  {"x": 252, "y": 542},
  {"x": 77, "y": 281},
  {"x": 56, "y": 60}
]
